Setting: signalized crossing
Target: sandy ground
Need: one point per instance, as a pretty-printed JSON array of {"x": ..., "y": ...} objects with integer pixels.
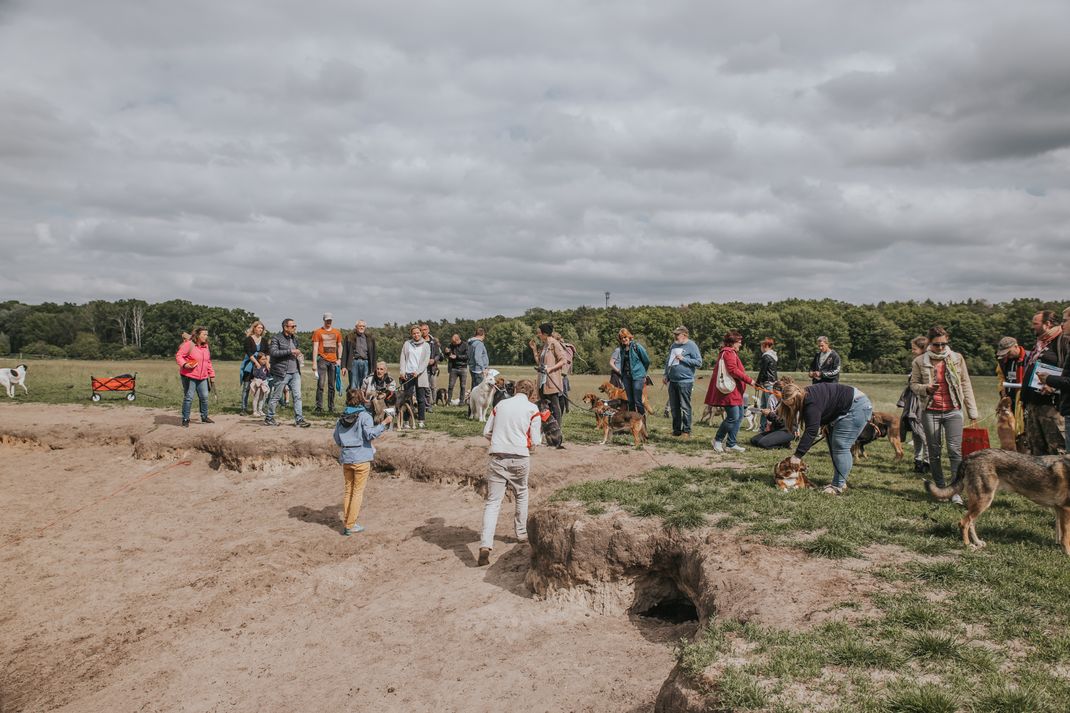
[{"x": 205, "y": 588}]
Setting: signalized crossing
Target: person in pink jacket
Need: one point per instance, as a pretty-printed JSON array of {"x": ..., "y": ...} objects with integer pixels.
[
  {"x": 195, "y": 369},
  {"x": 732, "y": 402}
]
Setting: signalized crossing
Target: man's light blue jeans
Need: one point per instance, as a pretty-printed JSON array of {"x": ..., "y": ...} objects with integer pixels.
[{"x": 294, "y": 382}]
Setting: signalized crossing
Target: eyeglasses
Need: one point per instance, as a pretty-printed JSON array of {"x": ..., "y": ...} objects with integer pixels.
[{"x": 937, "y": 344}]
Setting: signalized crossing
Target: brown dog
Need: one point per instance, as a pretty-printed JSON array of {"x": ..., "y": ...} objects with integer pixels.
[
  {"x": 610, "y": 421},
  {"x": 615, "y": 394},
  {"x": 709, "y": 412},
  {"x": 881, "y": 425},
  {"x": 1006, "y": 425},
  {"x": 1045, "y": 480},
  {"x": 790, "y": 476}
]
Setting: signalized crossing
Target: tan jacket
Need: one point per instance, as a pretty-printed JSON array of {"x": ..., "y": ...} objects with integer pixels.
[
  {"x": 922, "y": 375},
  {"x": 552, "y": 354}
]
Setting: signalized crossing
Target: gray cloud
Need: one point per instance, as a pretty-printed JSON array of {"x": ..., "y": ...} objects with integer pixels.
[{"x": 479, "y": 158}]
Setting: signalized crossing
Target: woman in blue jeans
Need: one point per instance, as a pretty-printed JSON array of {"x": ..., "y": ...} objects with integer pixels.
[
  {"x": 844, "y": 409},
  {"x": 633, "y": 362}
]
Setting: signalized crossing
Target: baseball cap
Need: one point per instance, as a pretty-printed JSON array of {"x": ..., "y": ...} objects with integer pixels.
[
  {"x": 328, "y": 316},
  {"x": 681, "y": 330},
  {"x": 1005, "y": 346}
]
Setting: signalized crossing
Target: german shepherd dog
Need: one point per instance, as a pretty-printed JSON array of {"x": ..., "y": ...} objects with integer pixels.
[
  {"x": 1044, "y": 480},
  {"x": 551, "y": 429},
  {"x": 610, "y": 420},
  {"x": 881, "y": 425}
]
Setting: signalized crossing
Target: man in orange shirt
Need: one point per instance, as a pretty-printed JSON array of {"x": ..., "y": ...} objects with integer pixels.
[{"x": 326, "y": 347}]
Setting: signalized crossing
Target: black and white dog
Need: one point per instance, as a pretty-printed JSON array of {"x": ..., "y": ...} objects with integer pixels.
[{"x": 10, "y": 378}]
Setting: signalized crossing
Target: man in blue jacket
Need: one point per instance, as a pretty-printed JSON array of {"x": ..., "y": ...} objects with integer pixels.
[
  {"x": 478, "y": 361},
  {"x": 684, "y": 357}
]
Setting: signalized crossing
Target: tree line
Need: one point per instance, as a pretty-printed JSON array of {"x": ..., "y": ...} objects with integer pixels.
[{"x": 869, "y": 338}]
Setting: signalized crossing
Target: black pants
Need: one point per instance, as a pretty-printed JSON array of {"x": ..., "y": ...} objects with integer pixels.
[
  {"x": 417, "y": 394},
  {"x": 772, "y": 439},
  {"x": 554, "y": 401}
]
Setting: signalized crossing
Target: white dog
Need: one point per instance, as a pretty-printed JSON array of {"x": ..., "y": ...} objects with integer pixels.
[
  {"x": 481, "y": 397},
  {"x": 10, "y": 378},
  {"x": 752, "y": 417}
]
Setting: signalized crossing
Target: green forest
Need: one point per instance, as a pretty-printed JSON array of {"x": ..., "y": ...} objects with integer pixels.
[{"x": 870, "y": 338}]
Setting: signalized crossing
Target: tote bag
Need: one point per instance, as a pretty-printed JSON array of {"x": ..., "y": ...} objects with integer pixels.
[
  {"x": 974, "y": 439},
  {"x": 725, "y": 383}
]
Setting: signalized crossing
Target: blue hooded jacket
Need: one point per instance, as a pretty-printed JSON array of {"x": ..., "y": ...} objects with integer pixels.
[{"x": 355, "y": 432}]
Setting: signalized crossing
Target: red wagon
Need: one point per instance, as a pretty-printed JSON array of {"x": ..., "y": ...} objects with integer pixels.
[{"x": 124, "y": 383}]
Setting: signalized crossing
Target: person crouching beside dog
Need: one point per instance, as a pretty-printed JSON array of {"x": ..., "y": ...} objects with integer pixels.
[
  {"x": 775, "y": 433},
  {"x": 354, "y": 433},
  {"x": 731, "y": 400},
  {"x": 940, "y": 380},
  {"x": 513, "y": 429},
  {"x": 634, "y": 361},
  {"x": 844, "y": 409}
]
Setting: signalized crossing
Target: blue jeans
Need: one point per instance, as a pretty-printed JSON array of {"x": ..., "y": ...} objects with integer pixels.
[
  {"x": 294, "y": 382},
  {"x": 733, "y": 418},
  {"x": 763, "y": 402},
  {"x": 844, "y": 433},
  {"x": 358, "y": 372},
  {"x": 189, "y": 386},
  {"x": 634, "y": 389},
  {"x": 477, "y": 378},
  {"x": 680, "y": 406}
]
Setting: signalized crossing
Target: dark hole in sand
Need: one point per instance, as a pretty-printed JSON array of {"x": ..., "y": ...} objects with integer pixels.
[{"x": 675, "y": 610}]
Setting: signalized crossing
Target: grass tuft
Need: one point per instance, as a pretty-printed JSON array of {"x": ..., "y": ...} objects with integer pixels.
[
  {"x": 935, "y": 646},
  {"x": 831, "y": 546},
  {"x": 738, "y": 690}
]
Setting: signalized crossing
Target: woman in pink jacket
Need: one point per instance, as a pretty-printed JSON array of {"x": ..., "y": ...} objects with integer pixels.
[
  {"x": 732, "y": 402},
  {"x": 195, "y": 368}
]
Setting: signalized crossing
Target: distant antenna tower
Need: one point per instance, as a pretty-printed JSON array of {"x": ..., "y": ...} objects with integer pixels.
[{"x": 607, "y": 300}]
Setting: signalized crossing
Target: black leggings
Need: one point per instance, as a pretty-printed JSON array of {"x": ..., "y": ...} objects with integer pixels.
[{"x": 416, "y": 394}]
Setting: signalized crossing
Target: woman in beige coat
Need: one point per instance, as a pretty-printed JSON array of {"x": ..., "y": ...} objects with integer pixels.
[{"x": 940, "y": 380}]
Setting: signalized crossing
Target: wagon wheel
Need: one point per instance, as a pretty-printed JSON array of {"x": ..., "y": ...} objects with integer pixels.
[
  {"x": 130, "y": 396},
  {"x": 95, "y": 397}
]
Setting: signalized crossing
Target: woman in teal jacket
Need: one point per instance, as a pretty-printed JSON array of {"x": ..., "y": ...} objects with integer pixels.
[{"x": 633, "y": 365}]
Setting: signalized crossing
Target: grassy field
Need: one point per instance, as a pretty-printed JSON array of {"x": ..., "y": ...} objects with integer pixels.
[{"x": 982, "y": 632}]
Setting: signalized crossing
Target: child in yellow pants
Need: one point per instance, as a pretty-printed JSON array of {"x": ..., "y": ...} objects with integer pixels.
[{"x": 354, "y": 433}]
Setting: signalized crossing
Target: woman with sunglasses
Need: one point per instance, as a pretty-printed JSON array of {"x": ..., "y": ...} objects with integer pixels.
[{"x": 940, "y": 380}]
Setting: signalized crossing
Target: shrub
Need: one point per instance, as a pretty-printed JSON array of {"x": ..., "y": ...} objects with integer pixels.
[{"x": 43, "y": 349}]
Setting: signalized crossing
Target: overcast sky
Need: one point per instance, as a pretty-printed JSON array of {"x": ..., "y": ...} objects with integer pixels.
[{"x": 454, "y": 159}]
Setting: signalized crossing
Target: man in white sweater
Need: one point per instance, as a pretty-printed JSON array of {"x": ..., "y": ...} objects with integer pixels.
[{"x": 514, "y": 427}]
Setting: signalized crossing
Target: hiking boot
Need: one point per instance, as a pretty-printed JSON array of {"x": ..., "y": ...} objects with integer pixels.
[
  {"x": 185, "y": 423},
  {"x": 302, "y": 424},
  {"x": 717, "y": 447},
  {"x": 270, "y": 422},
  {"x": 484, "y": 557},
  {"x": 207, "y": 420}
]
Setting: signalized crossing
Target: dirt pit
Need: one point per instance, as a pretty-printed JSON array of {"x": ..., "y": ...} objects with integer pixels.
[{"x": 224, "y": 585}]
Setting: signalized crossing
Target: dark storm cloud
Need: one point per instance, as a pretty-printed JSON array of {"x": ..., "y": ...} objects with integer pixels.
[{"x": 477, "y": 158}]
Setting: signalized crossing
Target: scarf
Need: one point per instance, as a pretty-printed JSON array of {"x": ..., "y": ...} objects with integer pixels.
[
  {"x": 1042, "y": 345},
  {"x": 951, "y": 372}
]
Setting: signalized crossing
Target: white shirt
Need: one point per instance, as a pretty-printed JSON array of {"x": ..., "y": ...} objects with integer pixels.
[{"x": 514, "y": 426}]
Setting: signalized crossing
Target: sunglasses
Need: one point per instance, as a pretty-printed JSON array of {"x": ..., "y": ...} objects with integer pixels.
[{"x": 938, "y": 344}]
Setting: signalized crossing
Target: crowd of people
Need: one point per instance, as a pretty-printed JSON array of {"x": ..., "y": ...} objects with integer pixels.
[{"x": 936, "y": 402}]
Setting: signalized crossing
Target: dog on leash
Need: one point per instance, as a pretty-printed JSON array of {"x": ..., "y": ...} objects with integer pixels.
[
  {"x": 503, "y": 389},
  {"x": 480, "y": 399},
  {"x": 1045, "y": 480},
  {"x": 709, "y": 412},
  {"x": 790, "y": 476},
  {"x": 10, "y": 378},
  {"x": 881, "y": 425},
  {"x": 551, "y": 429},
  {"x": 406, "y": 410},
  {"x": 1006, "y": 425},
  {"x": 611, "y": 421},
  {"x": 616, "y": 394},
  {"x": 752, "y": 418}
]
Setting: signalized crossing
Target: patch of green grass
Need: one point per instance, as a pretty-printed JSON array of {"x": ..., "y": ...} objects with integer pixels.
[
  {"x": 830, "y": 546},
  {"x": 739, "y": 690},
  {"x": 934, "y": 646},
  {"x": 910, "y": 698}
]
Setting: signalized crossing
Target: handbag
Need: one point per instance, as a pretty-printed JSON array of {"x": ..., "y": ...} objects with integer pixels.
[
  {"x": 725, "y": 383},
  {"x": 974, "y": 439}
]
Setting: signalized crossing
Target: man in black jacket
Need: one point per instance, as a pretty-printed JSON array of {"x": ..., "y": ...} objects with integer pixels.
[
  {"x": 456, "y": 353},
  {"x": 358, "y": 355},
  {"x": 1045, "y": 428},
  {"x": 1062, "y": 384},
  {"x": 825, "y": 368}
]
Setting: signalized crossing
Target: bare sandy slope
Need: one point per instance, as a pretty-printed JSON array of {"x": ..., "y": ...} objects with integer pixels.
[{"x": 225, "y": 586}]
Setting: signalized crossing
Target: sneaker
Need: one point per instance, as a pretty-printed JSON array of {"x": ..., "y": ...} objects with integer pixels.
[
  {"x": 832, "y": 490},
  {"x": 737, "y": 449},
  {"x": 420, "y": 425},
  {"x": 302, "y": 424},
  {"x": 484, "y": 557},
  {"x": 355, "y": 530},
  {"x": 207, "y": 420},
  {"x": 185, "y": 423},
  {"x": 270, "y": 422},
  {"x": 522, "y": 539},
  {"x": 957, "y": 499},
  {"x": 717, "y": 447}
]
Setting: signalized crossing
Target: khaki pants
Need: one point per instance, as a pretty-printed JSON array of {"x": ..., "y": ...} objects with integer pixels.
[
  {"x": 1044, "y": 429},
  {"x": 505, "y": 471},
  {"x": 356, "y": 475}
]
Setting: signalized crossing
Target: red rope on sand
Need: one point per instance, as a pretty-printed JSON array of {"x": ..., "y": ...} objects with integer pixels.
[{"x": 141, "y": 478}]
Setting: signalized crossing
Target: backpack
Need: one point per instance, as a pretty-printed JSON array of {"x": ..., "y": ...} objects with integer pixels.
[{"x": 570, "y": 355}]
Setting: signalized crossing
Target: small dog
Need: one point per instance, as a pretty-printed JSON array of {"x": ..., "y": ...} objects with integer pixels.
[
  {"x": 503, "y": 389},
  {"x": 709, "y": 413},
  {"x": 10, "y": 378},
  {"x": 440, "y": 397},
  {"x": 610, "y": 421},
  {"x": 881, "y": 425},
  {"x": 788, "y": 476},
  {"x": 1045, "y": 480},
  {"x": 752, "y": 418},
  {"x": 1006, "y": 425},
  {"x": 551, "y": 429},
  {"x": 480, "y": 399}
]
